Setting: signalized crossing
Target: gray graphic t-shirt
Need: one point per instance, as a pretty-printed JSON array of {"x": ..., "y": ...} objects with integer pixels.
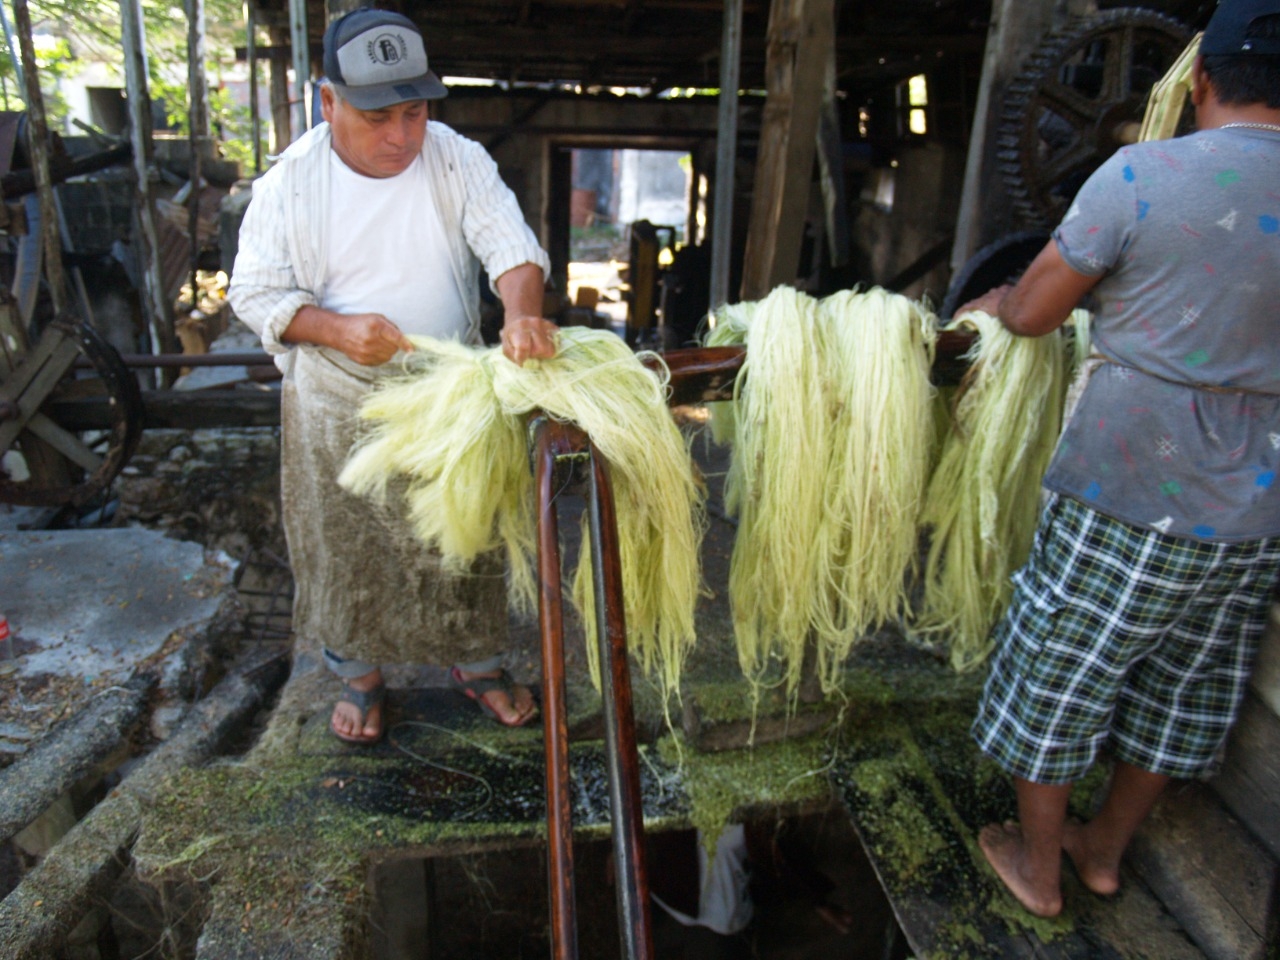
[{"x": 1181, "y": 430}]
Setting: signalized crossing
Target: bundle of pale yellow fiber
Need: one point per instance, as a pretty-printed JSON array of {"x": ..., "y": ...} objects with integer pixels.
[
  {"x": 832, "y": 433},
  {"x": 983, "y": 499},
  {"x": 452, "y": 430}
]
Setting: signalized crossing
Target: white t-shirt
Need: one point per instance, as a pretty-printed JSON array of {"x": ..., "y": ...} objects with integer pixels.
[{"x": 388, "y": 254}]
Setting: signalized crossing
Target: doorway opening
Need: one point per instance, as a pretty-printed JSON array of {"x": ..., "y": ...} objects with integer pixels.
[{"x": 631, "y": 213}]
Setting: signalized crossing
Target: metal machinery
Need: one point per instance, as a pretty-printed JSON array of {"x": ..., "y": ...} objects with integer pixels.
[{"x": 1079, "y": 98}]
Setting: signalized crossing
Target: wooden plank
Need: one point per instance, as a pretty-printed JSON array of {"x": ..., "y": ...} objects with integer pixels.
[
  {"x": 1203, "y": 864},
  {"x": 798, "y": 49},
  {"x": 69, "y": 752},
  {"x": 180, "y": 409},
  {"x": 1249, "y": 782},
  {"x": 1265, "y": 681},
  {"x": 34, "y": 379},
  {"x": 918, "y": 791}
]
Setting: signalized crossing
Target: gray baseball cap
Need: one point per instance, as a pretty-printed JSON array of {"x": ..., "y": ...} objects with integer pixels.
[{"x": 376, "y": 59}]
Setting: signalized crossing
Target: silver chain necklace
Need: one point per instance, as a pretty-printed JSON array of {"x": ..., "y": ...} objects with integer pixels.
[{"x": 1273, "y": 127}]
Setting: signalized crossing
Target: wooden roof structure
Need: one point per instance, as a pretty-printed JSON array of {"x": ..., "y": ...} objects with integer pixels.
[{"x": 658, "y": 44}]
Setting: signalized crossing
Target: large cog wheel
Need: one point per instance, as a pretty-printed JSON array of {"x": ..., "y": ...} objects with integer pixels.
[
  {"x": 56, "y": 466},
  {"x": 1080, "y": 98}
]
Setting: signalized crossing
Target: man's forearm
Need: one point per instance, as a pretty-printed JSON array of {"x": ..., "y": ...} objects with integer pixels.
[
  {"x": 312, "y": 324},
  {"x": 367, "y": 338},
  {"x": 525, "y": 333},
  {"x": 521, "y": 291}
]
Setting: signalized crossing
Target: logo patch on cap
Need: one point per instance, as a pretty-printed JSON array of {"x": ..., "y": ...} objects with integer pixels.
[{"x": 386, "y": 49}]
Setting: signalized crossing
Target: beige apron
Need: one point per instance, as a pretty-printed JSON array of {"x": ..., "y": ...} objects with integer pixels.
[{"x": 366, "y": 588}]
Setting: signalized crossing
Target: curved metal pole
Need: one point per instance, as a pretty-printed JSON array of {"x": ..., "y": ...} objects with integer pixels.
[
  {"x": 621, "y": 757},
  {"x": 551, "y": 440}
]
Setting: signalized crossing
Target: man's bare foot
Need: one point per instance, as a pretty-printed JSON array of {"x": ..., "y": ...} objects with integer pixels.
[
  {"x": 1097, "y": 871},
  {"x": 357, "y": 715},
  {"x": 508, "y": 702},
  {"x": 1006, "y": 852}
]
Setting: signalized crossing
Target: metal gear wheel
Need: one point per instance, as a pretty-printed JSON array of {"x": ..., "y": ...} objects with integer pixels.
[
  {"x": 1078, "y": 99},
  {"x": 61, "y": 466}
]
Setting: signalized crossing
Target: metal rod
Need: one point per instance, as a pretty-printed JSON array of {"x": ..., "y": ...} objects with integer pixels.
[
  {"x": 726, "y": 153},
  {"x": 251, "y": 48},
  {"x": 198, "y": 122},
  {"x": 551, "y": 437},
  {"x": 625, "y": 804},
  {"x": 13, "y": 53},
  {"x": 190, "y": 360}
]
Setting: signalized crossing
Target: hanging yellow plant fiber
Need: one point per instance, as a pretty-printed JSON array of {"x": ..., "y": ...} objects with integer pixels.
[
  {"x": 880, "y": 355},
  {"x": 1169, "y": 97},
  {"x": 729, "y": 330},
  {"x": 832, "y": 431},
  {"x": 451, "y": 432},
  {"x": 983, "y": 500}
]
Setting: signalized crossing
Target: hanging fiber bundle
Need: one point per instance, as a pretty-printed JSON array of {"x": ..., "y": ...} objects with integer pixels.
[
  {"x": 1169, "y": 97},
  {"x": 832, "y": 432},
  {"x": 983, "y": 499},
  {"x": 775, "y": 482},
  {"x": 880, "y": 354},
  {"x": 452, "y": 429},
  {"x": 729, "y": 329}
]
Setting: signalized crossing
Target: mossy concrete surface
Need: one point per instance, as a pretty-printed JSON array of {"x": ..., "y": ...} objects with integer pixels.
[{"x": 282, "y": 841}]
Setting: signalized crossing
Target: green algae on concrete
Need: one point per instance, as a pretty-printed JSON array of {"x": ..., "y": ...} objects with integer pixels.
[
  {"x": 722, "y": 785},
  {"x": 896, "y": 827}
]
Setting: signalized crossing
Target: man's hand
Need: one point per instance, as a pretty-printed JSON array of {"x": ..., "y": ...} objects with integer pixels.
[
  {"x": 526, "y": 337},
  {"x": 989, "y": 302},
  {"x": 369, "y": 339}
]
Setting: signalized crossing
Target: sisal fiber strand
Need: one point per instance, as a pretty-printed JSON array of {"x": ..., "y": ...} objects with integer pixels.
[
  {"x": 832, "y": 434},
  {"x": 451, "y": 431},
  {"x": 983, "y": 499},
  {"x": 880, "y": 353}
]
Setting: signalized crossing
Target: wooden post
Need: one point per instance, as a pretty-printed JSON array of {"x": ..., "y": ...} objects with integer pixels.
[
  {"x": 281, "y": 121},
  {"x": 145, "y": 241},
  {"x": 726, "y": 153},
  {"x": 1016, "y": 30},
  {"x": 795, "y": 69},
  {"x": 300, "y": 42},
  {"x": 38, "y": 142},
  {"x": 831, "y": 164}
]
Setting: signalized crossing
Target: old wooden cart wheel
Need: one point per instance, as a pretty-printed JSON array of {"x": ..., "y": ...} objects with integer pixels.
[
  {"x": 48, "y": 465},
  {"x": 1080, "y": 98}
]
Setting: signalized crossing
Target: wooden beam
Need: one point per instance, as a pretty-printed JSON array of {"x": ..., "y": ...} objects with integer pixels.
[
  {"x": 796, "y": 67},
  {"x": 726, "y": 153},
  {"x": 831, "y": 163},
  {"x": 278, "y": 85},
  {"x": 1016, "y": 29},
  {"x": 145, "y": 238}
]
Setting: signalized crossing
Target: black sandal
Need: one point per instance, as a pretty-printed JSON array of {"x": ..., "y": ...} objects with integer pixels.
[
  {"x": 476, "y": 689},
  {"x": 364, "y": 701}
]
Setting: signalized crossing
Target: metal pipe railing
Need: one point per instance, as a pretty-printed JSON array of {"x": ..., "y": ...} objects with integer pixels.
[
  {"x": 552, "y": 442},
  {"x": 566, "y": 460}
]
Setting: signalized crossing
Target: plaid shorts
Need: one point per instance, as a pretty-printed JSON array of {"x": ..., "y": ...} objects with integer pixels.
[{"x": 1119, "y": 636}]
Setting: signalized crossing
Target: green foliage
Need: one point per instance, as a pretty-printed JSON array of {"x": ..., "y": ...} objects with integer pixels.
[{"x": 90, "y": 31}]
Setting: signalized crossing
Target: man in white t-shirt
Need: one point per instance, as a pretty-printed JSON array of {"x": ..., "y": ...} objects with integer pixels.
[{"x": 372, "y": 226}]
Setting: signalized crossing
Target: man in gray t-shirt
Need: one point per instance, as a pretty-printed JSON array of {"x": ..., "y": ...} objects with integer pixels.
[{"x": 1133, "y": 625}]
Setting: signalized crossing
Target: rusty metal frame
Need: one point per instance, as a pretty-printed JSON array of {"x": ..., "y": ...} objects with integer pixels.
[{"x": 565, "y": 459}]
